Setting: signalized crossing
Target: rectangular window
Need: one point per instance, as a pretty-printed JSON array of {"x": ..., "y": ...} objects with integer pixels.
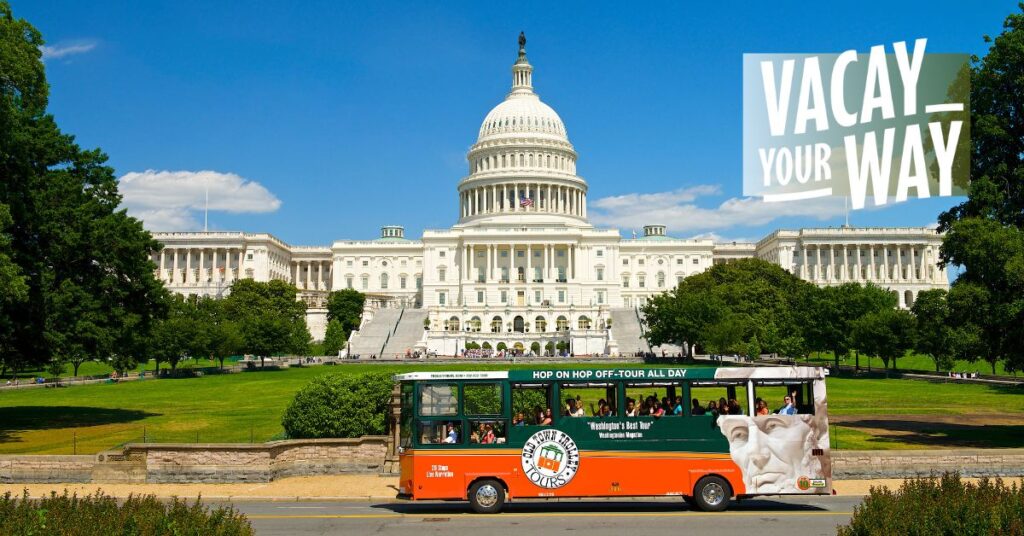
[
  {"x": 648, "y": 399},
  {"x": 561, "y": 296},
  {"x": 440, "y": 253},
  {"x": 406, "y": 414},
  {"x": 520, "y": 254},
  {"x": 625, "y": 282},
  {"x": 401, "y": 282},
  {"x": 348, "y": 282},
  {"x": 733, "y": 393},
  {"x": 696, "y": 261},
  {"x": 504, "y": 296},
  {"x": 561, "y": 253},
  {"x": 774, "y": 393},
  {"x": 600, "y": 297},
  {"x": 595, "y": 399},
  {"x": 366, "y": 263},
  {"x": 536, "y": 254},
  {"x": 600, "y": 274},
  {"x": 679, "y": 261},
  {"x": 600, "y": 253},
  {"x": 348, "y": 262},
  {"x": 438, "y": 399},
  {"x": 479, "y": 296},
  {"x": 625, "y": 262},
  {"x": 482, "y": 399},
  {"x": 441, "y": 297},
  {"x": 440, "y": 274},
  {"x": 249, "y": 256},
  {"x": 504, "y": 254},
  {"x": 640, "y": 282},
  {"x": 441, "y": 432},
  {"x": 366, "y": 282},
  {"x": 487, "y": 432},
  {"x": 536, "y": 296},
  {"x": 530, "y": 403}
]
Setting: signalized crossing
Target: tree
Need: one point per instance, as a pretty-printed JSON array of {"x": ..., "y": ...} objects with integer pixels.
[
  {"x": 935, "y": 334},
  {"x": 502, "y": 346},
  {"x": 549, "y": 348},
  {"x": 886, "y": 334},
  {"x": 836, "y": 308},
  {"x": 732, "y": 303},
  {"x": 535, "y": 347},
  {"x": 340, "y": 405},
  {"x": 346, "y": 306},
  {"x": 985, "y": 234},
  {"x": 91, "y": 289},
  {"x": 13, "y": 288},
  {"x": 270, "y": 318},
  {"x": 334, "y": 338}
]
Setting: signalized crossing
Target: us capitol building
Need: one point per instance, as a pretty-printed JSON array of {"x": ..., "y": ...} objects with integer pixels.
[{"x": 523, "y": 264}]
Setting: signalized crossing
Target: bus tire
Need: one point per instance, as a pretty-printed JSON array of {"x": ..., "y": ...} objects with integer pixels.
[
  {"x": 712, "y": 494},
  {"x": 487, "y": 496}
]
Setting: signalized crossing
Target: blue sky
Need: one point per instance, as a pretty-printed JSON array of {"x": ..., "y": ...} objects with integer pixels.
[{"x": 325, "y": 120}]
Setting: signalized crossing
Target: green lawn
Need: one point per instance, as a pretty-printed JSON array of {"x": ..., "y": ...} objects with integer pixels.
[
  {"x": 243, "y": 406},
  {"x": 96, "y": 368},
  {"x": 912, "y": 361}
]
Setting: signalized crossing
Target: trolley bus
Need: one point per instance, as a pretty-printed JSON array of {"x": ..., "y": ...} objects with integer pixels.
[{"x": 493, "y": 436}]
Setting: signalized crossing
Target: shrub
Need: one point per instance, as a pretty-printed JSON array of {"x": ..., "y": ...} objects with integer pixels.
[
  {"x": 100, "y": 514},
  {"x": 945, "y": 505},
  {"x": 340, "y": 405}
]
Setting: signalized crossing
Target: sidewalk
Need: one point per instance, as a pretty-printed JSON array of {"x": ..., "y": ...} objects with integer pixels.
[{"x": 338, "y": 487}]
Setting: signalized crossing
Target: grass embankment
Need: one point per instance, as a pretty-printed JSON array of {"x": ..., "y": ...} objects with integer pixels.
[
  {"x": 96, "y": 368},
  {"x": 248, "y": 406},
  {"x": 911, "y": 361}
]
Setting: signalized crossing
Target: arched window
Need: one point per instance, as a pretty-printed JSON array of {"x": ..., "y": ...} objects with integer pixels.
[
  {"x": 496, "y": 324},
  {"x": 908, "y": 298},
  {"x": 452, "y": 324},
  {"x": 474, "y": 324},
  {"x": 384, "y": 281},
  {"x": 584, "y": 322},
  {"x": 540, "y": 325},
  {"x": 561, "y": 323}
]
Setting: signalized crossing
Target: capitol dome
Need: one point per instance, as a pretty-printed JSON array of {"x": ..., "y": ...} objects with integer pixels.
[{"x": 522, "y": 163}]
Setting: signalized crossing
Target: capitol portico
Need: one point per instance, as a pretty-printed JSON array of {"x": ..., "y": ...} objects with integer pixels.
[{"x": 522, "y": 264}]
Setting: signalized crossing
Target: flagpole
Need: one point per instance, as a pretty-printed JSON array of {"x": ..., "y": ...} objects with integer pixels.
[{"x": 206, "y": 209}]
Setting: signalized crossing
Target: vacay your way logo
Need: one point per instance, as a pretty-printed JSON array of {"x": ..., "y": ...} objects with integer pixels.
[
  {"x": 895, "y": 125},
  {"x": 550, "y": 458}
]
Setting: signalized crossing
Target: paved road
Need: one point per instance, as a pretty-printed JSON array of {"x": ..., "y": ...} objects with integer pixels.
[{"x": 763, "y": 517}]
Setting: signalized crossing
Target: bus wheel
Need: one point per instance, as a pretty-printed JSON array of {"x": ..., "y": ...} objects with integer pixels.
[
  {"x": 712, "y": 494},
  {"x": 487, "y": 496}
]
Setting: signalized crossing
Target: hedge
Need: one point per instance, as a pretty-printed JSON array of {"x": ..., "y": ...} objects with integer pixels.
[
  {"x": 944, "y": 505},
  {"x": 101, "y": 515},
  {"x": 340, "y": 405}
]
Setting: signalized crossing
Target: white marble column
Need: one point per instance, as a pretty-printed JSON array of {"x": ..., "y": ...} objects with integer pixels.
[
  {"x": 913, "y": 265},
  {"x": 188, "y": 266},
  {"x": 817, "y": 262},
  {"x": 161, "y": 270},
  {"x": 899, "y": 263}
]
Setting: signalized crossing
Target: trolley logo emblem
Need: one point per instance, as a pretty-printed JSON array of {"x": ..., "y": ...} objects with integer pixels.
[{"x": 550, "y": 458}]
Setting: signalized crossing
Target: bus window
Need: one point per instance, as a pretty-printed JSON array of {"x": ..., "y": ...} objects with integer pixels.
[
  {"x": 774, "y": 393},
  {"x": 439, "y": 399},
  {"x": 530, "y": 401},
  {"x": 487, "y": 432},
  {"x": 648, "y": 397},
  {"x": 710, "y": 396},
  {"x": 440, "y": 433},
  {"x": 405, "y": 416},
  {"x": 595, "y": 399},
  {"x": 482, "y": 398}
]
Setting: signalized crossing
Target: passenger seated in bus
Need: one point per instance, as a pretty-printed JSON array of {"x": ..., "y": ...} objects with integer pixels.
[
  {"x": 547, "y": 418},
  {"x": 666, "y": 406},
  {"x": 761, "y": 407},
  {"x": 677, "y": 409},
  {"x": 601, "y": 410},
  {"x": 453, "y": 436},
  {"x": 538, "y": 415},
  {"x": 723, "y": 406},
  {"x": 696, "y": 409},
  {"x": 734, "y": 407},
  {"x": 488, "y": 437},
  {"x": 519, "y": 420},
  {"x": 572, "y": 408},
  {"x": 654, "y": 408},
  {"x": 713, "y": 408},
  {"x": 631, "y": 409},
  {"x": 787, "y": 408}
]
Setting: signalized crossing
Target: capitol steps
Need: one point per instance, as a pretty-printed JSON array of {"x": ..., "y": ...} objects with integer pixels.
[
  {"x": 371, "y": 338},
  {"x": 627, "y": 331},
  {"x": 408, "y": 332}
]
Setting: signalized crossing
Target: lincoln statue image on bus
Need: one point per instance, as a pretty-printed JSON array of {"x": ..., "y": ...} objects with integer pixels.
[{"x": 704, "y": 434}]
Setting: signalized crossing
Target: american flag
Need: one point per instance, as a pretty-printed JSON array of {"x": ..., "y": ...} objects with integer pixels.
[{"x": 526, "y": 202}]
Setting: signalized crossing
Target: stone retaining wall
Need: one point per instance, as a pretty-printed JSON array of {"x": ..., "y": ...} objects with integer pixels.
[
  {"x": 213, "y": 463},
  {"x": 203, "y": 463},
  {"x": 868, "y": 464}
]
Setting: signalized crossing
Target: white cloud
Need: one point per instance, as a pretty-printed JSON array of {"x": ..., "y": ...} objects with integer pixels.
[
  {"x": 679, "y": 211},
  {"x": 59, "y": 51},
  {"x": 174, "y": 200}
]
